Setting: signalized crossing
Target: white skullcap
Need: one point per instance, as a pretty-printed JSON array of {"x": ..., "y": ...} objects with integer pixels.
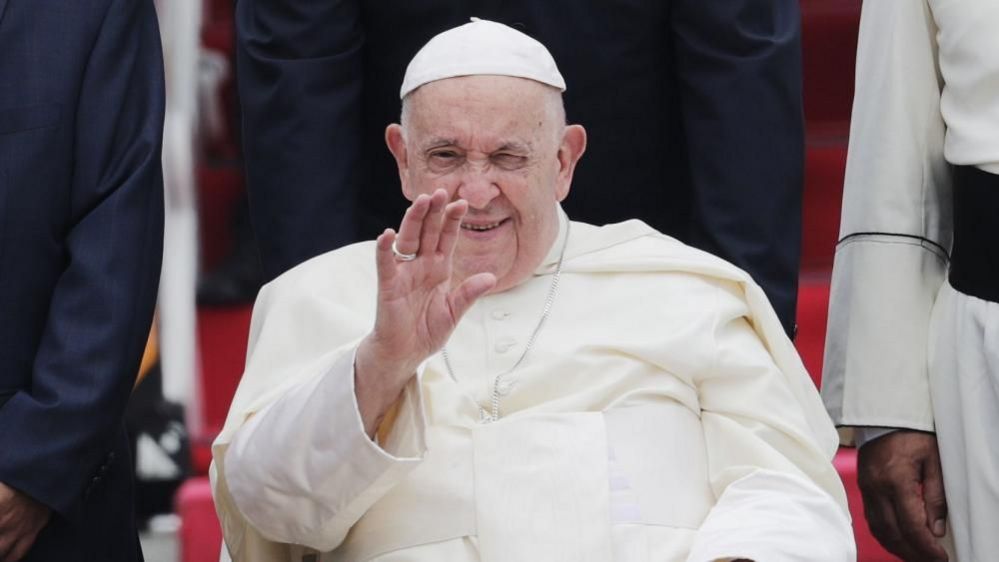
[{"x": 481, "y": 47}]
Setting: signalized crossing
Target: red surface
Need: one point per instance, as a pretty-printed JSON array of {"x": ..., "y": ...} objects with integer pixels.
[
  {"x": 219, "y": 185},
  {"x": 829, "y": 46},
  {"x": 813, "y": 304},
  {"x": 200, "y": 535},
  {"x": 218, "y": 11},
  {"x": 823, "y": 199},
  {"x": 222, "y": 334}
]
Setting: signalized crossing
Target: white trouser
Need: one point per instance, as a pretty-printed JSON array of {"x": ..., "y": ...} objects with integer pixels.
[{"x": 964, "y": 381}]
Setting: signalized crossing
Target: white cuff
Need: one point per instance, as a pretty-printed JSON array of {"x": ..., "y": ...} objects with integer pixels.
[
  {"x": 863, "y": 435},
  {"x": 303, "y": 470}
]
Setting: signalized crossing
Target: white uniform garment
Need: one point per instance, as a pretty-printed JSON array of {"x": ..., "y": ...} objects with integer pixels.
[
  {"x": 927, "y": 96},
  {"x": 964, "y": 378},
  {"x": 661, "y": 415}
]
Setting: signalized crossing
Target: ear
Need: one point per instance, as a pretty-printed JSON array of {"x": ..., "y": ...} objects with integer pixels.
[
  {"x": 569, "y": 152},
  {"x": 397, "y": 146}
]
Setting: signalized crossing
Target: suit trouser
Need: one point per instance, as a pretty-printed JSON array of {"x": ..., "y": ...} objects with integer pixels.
[{"x": 964, "y": 381}]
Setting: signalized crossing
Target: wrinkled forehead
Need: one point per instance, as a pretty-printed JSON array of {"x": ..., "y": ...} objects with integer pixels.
[{"x": 496, "y": 104}]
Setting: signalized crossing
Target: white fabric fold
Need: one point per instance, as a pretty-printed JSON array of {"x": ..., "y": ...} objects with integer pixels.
[
  {"x": 785, "y": 508},
  {"x": 661, "y": 378}
]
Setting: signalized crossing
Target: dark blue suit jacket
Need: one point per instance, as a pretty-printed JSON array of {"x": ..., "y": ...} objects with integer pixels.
[
  {"x": 81, "y": 234},
  {"x": 693, "y": 108}
]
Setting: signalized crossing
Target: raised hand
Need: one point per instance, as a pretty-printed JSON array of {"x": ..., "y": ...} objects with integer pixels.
[{"x": 419, "y": 304}]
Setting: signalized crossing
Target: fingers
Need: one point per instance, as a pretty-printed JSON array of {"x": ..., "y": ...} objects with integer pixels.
[
  {"x": 20, "y": 549},
  {"x": 408, "y": 239},
  {"x": 910, "y": 511},
  {"x": 464, "y": 295},
  {"x": 892, "y": 521},
  {"x": 891, "y": 473},
  {"x": 878, "y": 508},
  {"x": 432, "y": 222},
  {"x": 384, "y": 258},
  {"x": 421, "y": 225},
  {"x": 14, "y": 547},
  {"x": 453, "y": 214},
  {"x": 934, "y": 498},
  {"x": 880, "y": 515},
  {"x": 21, "y": 519}
]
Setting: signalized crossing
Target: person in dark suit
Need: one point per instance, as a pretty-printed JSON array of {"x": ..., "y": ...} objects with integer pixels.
[
  {"x": 695, "y": 108},
  {"x": 81, "y": 235}
]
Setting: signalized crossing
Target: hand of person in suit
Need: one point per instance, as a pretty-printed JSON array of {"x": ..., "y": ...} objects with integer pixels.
[
  {"x": 419, "y": 304},
  {"x": 902, "y": 484},
  {"x": 21, "y": 519}
]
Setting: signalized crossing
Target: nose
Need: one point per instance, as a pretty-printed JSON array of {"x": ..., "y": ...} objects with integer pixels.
[{"x": 478, "y": 188}]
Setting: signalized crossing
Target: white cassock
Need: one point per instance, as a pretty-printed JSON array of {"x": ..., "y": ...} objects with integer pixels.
[
  {"x": 660, "y": 415},
  {"x": 903, "y": 348}
]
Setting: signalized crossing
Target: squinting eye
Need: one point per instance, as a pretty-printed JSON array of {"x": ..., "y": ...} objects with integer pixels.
[
  {"x": 443, "y": 158},
  {"x": 509, "y": 161}
]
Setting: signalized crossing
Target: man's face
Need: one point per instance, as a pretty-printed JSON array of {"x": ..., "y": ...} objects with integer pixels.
[{"x": 500, "y": 144}]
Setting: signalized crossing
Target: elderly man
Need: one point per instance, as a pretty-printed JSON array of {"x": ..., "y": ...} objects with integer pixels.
[{"x": 495, "y": 382}]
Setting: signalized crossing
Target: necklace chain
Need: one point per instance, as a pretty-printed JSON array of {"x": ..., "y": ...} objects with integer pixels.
[{"x": 494, "y": 401}]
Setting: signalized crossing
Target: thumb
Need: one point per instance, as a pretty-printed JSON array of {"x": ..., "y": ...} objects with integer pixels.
[
  {"x": 464, "y": 295},
  {"x": 933, "y": 496}
]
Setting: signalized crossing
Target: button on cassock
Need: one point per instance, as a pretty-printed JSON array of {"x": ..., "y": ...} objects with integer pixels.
[
  {"x": 503, "y": 345},
  {"x": 499, "y": 314}
]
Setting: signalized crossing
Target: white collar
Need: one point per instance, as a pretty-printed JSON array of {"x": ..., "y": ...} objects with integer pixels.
[{"x": 546, "y": 265}]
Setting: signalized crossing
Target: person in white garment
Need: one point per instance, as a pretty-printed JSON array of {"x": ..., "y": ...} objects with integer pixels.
[
  {"x": 912, "y": 353},
  {"x": 496, "y": 382}
]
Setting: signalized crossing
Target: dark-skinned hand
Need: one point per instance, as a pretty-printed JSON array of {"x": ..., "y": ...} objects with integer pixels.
[{"x": 902, "y": 484}]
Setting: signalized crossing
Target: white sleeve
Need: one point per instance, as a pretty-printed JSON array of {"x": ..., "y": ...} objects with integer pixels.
[
  {"x": 895, "y": 232},
  {"x": 864, "y": 434},
  {"x": 779, "y": 498},
  {"x": 770, "y": 516},
  {"x": 303, "y": 470}
]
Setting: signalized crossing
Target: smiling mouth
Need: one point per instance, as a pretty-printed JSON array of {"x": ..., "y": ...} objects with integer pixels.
[{"x": 482, "y": 227}]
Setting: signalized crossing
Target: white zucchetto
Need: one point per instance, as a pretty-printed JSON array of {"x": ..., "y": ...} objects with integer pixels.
[{"x": 477, "y": 48}]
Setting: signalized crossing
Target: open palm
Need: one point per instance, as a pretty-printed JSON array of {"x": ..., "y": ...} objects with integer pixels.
[{"x": 418, "y": 304}]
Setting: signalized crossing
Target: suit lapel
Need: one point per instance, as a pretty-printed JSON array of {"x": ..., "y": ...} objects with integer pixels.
[{"x": 3, "y": 4}]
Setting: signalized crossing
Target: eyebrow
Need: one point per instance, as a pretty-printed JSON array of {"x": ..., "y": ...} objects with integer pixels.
[
  {"x": 511, "y": 146},
  {"x": 514, "y": 146},
  {"x": 439, "y": 142}
]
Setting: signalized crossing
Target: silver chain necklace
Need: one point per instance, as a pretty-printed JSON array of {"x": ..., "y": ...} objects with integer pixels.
[{"x": 499, "y": 389}]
